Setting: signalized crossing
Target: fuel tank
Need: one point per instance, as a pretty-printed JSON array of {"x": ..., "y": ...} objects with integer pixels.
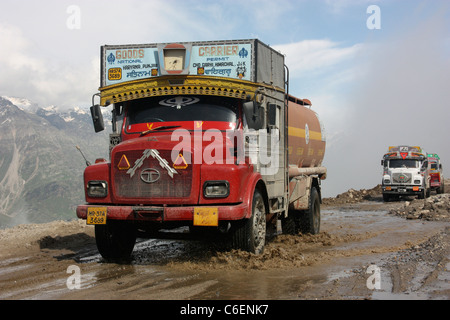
[{"x": 306, "y": 141}]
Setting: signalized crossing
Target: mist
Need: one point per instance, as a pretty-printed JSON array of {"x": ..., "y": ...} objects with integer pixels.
[{"x": 401, "y": 97}]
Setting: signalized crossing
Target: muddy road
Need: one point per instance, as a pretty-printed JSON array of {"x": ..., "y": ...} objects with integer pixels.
[{"x": 367, "y": 249}]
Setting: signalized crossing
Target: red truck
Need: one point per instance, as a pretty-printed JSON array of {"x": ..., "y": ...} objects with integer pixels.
[
  {"x": 205, "y": 135},
  {"x": 436, "y": 173}
]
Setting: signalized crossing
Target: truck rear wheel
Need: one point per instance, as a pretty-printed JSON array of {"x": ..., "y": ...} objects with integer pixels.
[
  {"x": 310, "y": 219},
  {"x": 250, "y": 234},
  {"x": 115, "y": 240}
]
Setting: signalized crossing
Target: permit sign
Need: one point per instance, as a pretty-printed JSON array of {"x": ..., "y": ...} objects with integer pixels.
[{"x": 229, "y": 59}]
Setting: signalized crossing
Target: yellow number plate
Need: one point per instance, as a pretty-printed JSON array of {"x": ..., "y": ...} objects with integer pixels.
[
  {"x": 96, "y": 215},
  {"x": 208, "y": 217},
  {"x": 115, "y": 74}
]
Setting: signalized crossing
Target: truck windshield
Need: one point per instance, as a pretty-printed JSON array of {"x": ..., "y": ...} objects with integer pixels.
[
  {"x": 182, "y": 108},
  {"x": 403, "y": 163}
]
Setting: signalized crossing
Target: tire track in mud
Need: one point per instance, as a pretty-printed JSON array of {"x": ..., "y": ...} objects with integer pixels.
[
  {"x": 283, "y": 252},
  {"x": 423, "y": 269}
]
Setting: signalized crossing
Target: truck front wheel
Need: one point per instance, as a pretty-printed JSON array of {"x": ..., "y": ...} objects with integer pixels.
[
  {"x": 250, "y": 234},
  {"x": 115, "y": 240}
]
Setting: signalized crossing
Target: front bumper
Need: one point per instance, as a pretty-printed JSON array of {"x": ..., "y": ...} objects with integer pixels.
[
  {"x": 402, "y": 190},
  {"x": 164, "y": 213},
  {"x": 435, "y": 184}
]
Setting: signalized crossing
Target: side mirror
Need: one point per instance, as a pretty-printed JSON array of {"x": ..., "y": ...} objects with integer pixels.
[
  {"x": 382, "y": 162},
  {"x": 254, "y": 113},
  {"x": 97, "y": 118}
]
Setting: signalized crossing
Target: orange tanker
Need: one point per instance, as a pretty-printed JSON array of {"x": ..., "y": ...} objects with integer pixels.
[{"x": 306, "y": 137}]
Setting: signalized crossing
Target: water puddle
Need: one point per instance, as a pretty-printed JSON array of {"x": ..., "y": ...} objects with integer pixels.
[{"x": 330, "y": 264}]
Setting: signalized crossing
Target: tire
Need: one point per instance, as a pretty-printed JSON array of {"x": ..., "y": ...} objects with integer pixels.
[
  {"x": 423, "y": 194},
  {"x": 250, "y": 234},
  {"x": 290, "y": 224},
  {"x": 115, "y": 240},
  {"x": 386, "y": 197},
  {"x": 310, "y": 219}
]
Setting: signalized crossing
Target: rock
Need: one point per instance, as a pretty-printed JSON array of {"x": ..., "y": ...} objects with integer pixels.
[{"x": 436, "y": 207}]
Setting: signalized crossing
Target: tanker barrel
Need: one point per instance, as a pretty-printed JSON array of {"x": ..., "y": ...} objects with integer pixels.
[{"x": 306, "y": 137}]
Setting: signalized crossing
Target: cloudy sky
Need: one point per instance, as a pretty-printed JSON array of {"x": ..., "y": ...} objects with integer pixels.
[{"x": 372, "y": 87}]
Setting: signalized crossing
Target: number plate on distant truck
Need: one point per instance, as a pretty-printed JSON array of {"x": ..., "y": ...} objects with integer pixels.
[
  {"x": 207, "y": 217},
  {"x": 96, "y": 215}
]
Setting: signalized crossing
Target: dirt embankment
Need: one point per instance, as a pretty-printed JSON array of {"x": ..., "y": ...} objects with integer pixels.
[
  {"x": 355, "y": 196},
  {"x": 434, "y": 208}
]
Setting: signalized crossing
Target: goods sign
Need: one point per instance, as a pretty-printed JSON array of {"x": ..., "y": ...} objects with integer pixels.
[{"x": 128, "y": 63}]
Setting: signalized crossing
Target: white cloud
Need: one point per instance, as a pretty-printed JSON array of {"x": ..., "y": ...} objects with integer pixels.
[
  {"x": 14, "y": 48},
  {"x": 339, "y": 6},
  {"x": 316, "y": 55},
  {"x": 321, "y": 70},
  {"x": 45, "y": 81}
]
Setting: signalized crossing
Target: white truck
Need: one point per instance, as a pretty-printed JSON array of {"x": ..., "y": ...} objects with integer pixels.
[{"x": 406, "y": 172}]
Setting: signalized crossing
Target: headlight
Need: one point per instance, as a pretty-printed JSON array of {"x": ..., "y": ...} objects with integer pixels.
[
  {"x": 97, "y": 189},
  {"x": 417, "y": 180},
  {"x": 386, "y": 179},
  {"x": 216, "y": 189}
]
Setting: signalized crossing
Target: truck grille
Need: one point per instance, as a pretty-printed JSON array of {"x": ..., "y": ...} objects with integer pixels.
[
  {"x": 401, "y": 178},
  {"x": 150, "y": 180}
]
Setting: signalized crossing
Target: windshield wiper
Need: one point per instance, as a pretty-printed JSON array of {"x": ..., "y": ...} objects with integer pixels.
[{"x": 158, "y": 128}]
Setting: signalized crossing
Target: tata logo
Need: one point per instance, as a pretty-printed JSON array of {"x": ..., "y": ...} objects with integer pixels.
[
  {"x": 150, "y": 175},
  {"x": 403, "y": 178}
]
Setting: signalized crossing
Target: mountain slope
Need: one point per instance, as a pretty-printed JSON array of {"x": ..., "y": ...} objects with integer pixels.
[{"x": 41, "y": 171}]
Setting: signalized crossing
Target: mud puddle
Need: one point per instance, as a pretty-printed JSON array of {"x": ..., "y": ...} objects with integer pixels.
[
  {"x": 291, "y": 267},
  {"x": 411, "y": 257}
]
